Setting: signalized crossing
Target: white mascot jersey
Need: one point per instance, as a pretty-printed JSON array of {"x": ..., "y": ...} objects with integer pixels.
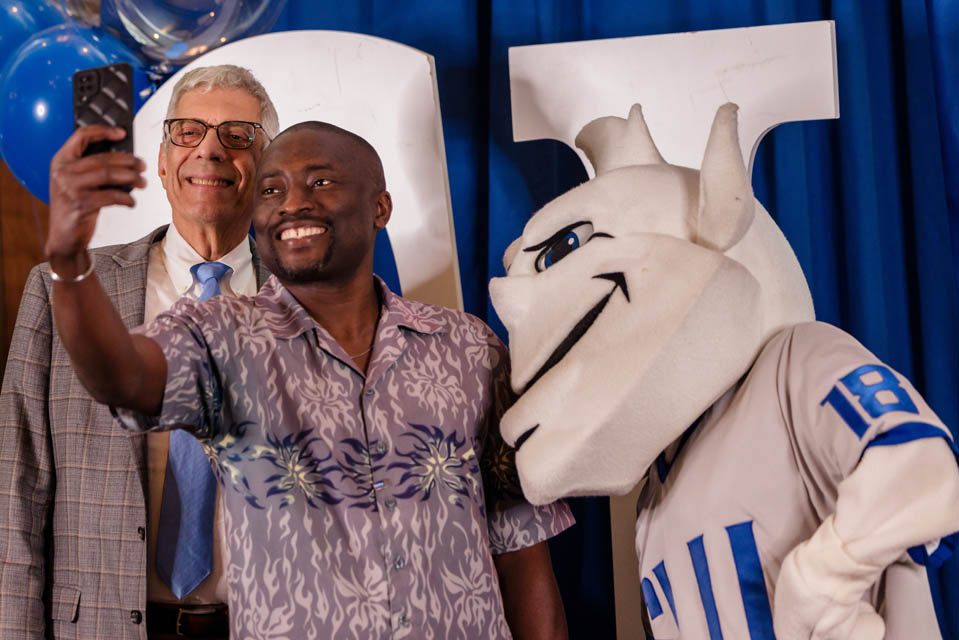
[{"x": 662, "y": 332}]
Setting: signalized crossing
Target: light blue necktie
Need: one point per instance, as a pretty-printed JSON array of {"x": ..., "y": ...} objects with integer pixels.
[{"x": 185, "y": 537}]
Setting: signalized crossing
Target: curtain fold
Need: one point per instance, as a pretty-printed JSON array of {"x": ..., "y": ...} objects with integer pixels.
[{"x": 943, "y": 35}]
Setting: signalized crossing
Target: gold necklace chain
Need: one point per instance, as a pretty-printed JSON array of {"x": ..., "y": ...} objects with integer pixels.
[{"x": 361, "y": 353}]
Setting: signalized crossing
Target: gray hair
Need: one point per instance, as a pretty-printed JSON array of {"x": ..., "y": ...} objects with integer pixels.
[{"x": 227, "y": 76}]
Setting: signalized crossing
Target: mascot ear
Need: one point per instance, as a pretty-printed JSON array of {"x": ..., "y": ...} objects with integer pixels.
[
  {"x": 725, "y": 196},
  {"x": 612, "y": 142}
]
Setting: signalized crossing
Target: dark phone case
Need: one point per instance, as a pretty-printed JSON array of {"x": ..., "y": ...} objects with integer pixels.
[{"x": 104, "y": 95}]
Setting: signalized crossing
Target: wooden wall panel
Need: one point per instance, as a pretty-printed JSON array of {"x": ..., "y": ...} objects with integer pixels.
[{"x": 23, "y": 228}]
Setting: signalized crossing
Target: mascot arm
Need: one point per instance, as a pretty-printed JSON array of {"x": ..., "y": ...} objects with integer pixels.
[{"x": 896, "y": 498}]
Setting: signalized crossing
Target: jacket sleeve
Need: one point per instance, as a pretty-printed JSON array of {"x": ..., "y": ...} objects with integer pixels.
[{"x": 26, "y": 467}]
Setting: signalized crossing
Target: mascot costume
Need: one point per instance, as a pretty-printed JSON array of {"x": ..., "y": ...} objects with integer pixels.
[{"x": 662, "y": 332}]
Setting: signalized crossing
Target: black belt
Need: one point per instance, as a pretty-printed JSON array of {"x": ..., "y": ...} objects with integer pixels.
[{"x": 199, "y": 622}]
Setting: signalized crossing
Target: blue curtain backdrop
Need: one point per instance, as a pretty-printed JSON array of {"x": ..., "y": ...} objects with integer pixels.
[{"x": 869, "y": 202}]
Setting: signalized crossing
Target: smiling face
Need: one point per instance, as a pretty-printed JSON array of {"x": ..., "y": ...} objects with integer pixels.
[
  {"x": 210, "y": 184},
  {"x": 319, "y": 203},
  {"x": 633, "y": 302}
]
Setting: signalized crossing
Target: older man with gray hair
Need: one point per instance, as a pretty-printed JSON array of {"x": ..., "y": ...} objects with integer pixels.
[{"x": 103, "y": 535}]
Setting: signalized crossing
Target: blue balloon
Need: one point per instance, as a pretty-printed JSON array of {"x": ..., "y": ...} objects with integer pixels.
[
  {"x": 36, "y": 95},
  {"x": 20, "y": 20}
]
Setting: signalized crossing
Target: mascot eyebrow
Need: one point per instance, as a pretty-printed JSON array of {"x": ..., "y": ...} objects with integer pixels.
[{"x": 562, "y": 244}]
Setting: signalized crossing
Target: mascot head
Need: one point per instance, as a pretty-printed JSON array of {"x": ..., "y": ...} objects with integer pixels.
[{"x": 633, "y": 302}]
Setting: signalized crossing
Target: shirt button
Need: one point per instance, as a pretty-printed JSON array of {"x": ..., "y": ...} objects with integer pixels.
[
  {"x": 136, "y": 617},
  {"x": 368, "y": 392},
  {"x": 379, "y": 448},
  {"x": 404, "y": 619},
  {"x": 390, "y": 502},
  {"x": 399, "y": 563},
  {"x": 142, "y": 533}
]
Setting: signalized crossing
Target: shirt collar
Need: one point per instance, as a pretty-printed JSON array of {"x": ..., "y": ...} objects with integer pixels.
[
  {"x": 409, "y": 314},
  {"x": 287, "y": 318},
  {"x": 179, "y": 257}
]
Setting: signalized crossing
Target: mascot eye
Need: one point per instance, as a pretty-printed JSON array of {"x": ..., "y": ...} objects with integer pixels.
[{"x": 561, "y": 244}]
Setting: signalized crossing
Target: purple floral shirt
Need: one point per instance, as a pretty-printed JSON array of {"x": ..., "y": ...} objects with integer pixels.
[{"x": 356, "y": 506}]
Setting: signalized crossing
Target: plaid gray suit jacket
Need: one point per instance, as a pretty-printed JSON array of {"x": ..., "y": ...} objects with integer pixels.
[{"x": 72, "y": 484}]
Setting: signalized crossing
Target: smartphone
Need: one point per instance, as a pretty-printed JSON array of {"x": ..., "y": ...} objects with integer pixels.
[{"x": 104, "y": 95}]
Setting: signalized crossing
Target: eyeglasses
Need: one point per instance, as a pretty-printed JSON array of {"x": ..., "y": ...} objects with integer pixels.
[{"x": 233, "y": 134}]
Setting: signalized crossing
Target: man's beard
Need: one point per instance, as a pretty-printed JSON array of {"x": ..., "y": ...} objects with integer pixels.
[{"x": 299, "y": 275}]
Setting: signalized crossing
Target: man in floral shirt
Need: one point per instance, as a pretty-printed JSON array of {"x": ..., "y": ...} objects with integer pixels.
[{"x": 368, "y": 491}]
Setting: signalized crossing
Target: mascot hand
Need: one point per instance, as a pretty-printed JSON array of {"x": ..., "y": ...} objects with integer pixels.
[
  {"x": 802, "y": 615},
  {"x": 819, "y": 593}
]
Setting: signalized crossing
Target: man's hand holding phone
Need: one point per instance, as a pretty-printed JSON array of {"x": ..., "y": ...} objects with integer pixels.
[
  {"x": 94, "y": 168},
  {"x": 79, "y": 186}
]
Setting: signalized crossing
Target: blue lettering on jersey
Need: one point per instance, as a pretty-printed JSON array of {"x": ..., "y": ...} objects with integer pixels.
[
  {"x": 867, "y": 392},
  {"x": 752, "y": 584},
  {"x": 697, "y": 552},
  {"x": 867, "y": 395},
  {"x": 847, "y": 412},
  {"x": 660, "y": 572},
  {"x": 652, "y": 600}
]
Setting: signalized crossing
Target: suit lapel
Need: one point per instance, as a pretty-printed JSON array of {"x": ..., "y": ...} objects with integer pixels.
[{"x": 126, "y": 282}]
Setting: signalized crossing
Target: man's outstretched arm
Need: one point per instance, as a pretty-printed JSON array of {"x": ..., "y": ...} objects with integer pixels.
[
  {"x": 531, "y": 599},
  {"x": 116, "y": 367}
]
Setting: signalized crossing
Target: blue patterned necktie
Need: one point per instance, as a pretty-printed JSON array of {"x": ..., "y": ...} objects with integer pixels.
[{"x": 185, "y": 537}]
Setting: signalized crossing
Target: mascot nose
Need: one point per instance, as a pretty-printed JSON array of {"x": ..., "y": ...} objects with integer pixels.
[{"x": 510, "y": 297}]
